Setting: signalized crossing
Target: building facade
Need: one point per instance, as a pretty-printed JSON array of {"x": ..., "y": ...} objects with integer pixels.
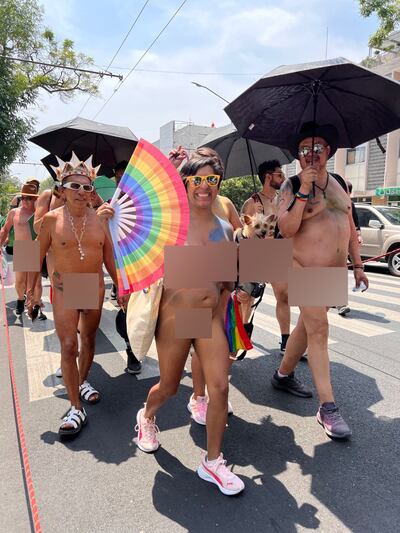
[{"x": 178, "y": 133}]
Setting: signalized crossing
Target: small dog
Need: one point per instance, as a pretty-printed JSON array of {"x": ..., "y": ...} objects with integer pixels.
[{"x": 258, "y": 226}]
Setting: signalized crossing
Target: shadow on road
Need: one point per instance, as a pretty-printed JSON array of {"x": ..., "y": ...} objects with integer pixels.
[{"x": 265, "y": 505}]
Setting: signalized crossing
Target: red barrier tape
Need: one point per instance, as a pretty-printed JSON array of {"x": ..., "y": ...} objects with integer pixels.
[
  {"x": 377, "y": 257},
  {"x": 26, "y": 470}
]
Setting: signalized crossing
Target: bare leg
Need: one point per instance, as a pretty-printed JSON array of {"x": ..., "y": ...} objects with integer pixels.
[
  {"x": 316, "y": 324},
  {"x": 172, "y": 355},
  {"x": 37, "y": 291},
  {"x": 214, "y": 357},
  {"x": 88, "y": 322},
  {"x": 295, "y": 348},
  {"x": 20, "y": 284},
  {"x": 199, "y": 382},
  {"x": 282, "y": 306},
  {"x": 66, "y": 321}
]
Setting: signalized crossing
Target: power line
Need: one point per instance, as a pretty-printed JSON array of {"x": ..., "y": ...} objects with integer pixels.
[
  {"x": 189, "y": 72},
  {"x": 117, "y": 52},
  {"x": 75, "y": 69},
  {"x": 141, "y": 58}
]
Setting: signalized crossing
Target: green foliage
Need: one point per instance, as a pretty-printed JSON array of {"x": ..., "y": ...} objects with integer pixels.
[
  {"x": 239, "y": 189},
  {"x": 22, "y": 36},
  {"x": 388, "y": 12},
  {"x": 9, "y": 185},
  {"x": 48, "y": 183}
]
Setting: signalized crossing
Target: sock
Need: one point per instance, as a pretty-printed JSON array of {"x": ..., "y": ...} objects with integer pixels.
[
  {"x": 329, "y": 406},
  {"x": 285, "y": 337},
  {"x": 282, "y": 375}
]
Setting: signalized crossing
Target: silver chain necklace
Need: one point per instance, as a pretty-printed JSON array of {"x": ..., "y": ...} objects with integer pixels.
[{"x": 78, "y": 239}]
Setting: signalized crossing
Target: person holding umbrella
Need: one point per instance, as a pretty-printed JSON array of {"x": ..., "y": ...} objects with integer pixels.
[{"x": 321, "y": 226}]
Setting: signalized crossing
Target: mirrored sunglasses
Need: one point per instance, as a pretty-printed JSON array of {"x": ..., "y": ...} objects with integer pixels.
[
  {"x": 305, "y": 150},
  {"x": 212, "y": 180},
  {"x": 78, "y": 186}
]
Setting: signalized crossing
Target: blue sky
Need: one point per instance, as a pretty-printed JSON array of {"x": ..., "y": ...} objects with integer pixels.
[{"x": 223, "y": 37}]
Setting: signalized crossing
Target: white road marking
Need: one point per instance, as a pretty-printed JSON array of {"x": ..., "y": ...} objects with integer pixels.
[
  {"x": 42, "y": 358},
  {"x": 270, "y": 324},
  {"x": 43, "y": 348},
  {"x": 352, "y": 325}
]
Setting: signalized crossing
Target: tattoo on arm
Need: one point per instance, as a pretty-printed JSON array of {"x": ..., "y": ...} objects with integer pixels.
[{"x": 285, "y": 192}]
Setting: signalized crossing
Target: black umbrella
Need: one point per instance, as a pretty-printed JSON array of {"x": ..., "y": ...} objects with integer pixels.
[
  {"x": 108, "y": 144},
  {"x": 359, "y": 103},
  {"x": 240, "y": 156},
  {"x": 52, "y": 160}
]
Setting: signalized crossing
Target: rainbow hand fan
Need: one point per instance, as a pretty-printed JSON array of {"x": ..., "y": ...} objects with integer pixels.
[
  {"x": 151, "y": 212},
  {"x": 234, "y": 329}
]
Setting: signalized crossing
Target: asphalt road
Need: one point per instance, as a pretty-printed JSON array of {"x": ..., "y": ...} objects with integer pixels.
[{"x": 296, "y": 478}]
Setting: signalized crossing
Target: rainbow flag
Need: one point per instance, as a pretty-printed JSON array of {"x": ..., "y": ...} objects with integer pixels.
[{"x": 234, "y": 329}]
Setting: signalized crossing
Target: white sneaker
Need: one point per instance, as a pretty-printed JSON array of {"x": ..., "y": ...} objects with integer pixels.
[
  {"x": 147, "y": 430},
  {"x": 198, "y": 409},
  {"x": 218, "y": 473},
  {"x": 230, "y": 408},
  {"x": 59, "y": 373}
]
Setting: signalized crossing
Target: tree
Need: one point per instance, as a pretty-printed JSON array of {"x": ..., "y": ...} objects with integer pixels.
[
  {"x": 9, "y": 185},
  {"x": 48, "y": 183},
  {"x": 388, "y": 12},
  {"x": 239, "y": 189},
  {"x": 22, "y": 36}
]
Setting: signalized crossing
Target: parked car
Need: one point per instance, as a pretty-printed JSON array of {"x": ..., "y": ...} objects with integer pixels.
[{"x": 380, "y": 232}]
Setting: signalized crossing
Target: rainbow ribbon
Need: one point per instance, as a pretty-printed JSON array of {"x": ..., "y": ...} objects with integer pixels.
[{"x": 234, "y": 329}]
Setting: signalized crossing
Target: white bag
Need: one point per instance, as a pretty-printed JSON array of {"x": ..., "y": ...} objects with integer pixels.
[{"x": 141, "y": 318}]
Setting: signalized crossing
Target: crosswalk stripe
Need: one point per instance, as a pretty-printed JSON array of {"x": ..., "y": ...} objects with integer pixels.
[
  {"x": 43, "y": 348},
  {"x": 373, "y": 288},
  {"x": 352, "y": 325},
  {"x": 270, "y": 324},
  {"x": 370, "y": 295},
  {"x": 42, "y": 358},
  {"x": 378, "y": 279},
  {"x": 389, "y": 314}
]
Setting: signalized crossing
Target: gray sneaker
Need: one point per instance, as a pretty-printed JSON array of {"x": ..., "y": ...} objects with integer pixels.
[
  {"x": 291, "y": 384},
  {"x": 332, "y": 421},
  {"x": 343, "y": 310}
]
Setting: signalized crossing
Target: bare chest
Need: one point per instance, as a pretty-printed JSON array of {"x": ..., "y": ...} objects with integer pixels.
[
  {"x": 334, "y": 200},
  {"x": 90, "y": 237},
  {"x": 21, "y": 225}
]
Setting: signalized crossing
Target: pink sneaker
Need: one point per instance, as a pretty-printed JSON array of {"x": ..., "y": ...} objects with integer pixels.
[
  {"x": 218, "y": 473},
  {"x": 198, "y": 409},
  {"x": 147, "y": 430}
]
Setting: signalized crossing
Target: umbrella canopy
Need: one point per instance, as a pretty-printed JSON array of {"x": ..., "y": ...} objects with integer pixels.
[
  {"x": 108, "y": 144},
  {"x": 234, "y": 152},
  {"x": 105, "y": 187},
  {"x": 359, "y": 103},
  {"x": 51, "y": 160}
]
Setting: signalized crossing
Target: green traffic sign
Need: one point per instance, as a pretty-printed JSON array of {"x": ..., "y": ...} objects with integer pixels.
[{"x": 387, "y": 191}]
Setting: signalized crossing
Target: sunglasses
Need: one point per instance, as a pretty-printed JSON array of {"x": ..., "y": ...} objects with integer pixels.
[
  {"x": 29, "y": 198},
  {"x": 77, "y": 187},
  {"x": 281, "y": 174},
  {"x": 212, "y": 180},
  {"x": 318, "y": 150}
]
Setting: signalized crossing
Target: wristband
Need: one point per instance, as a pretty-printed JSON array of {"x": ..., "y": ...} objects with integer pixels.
[
  {"x": 301, "y": 199},
  {"x": 358, "y": 266},
  {"x": 301, "y": 195}
]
